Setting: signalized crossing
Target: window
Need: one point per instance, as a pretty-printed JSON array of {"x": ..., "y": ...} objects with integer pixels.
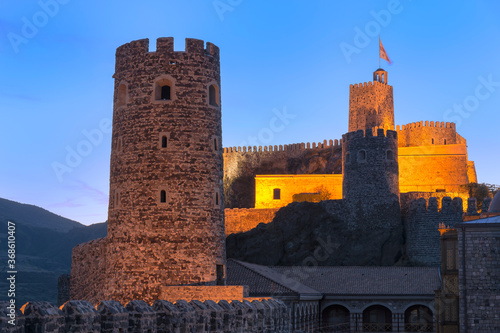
[
  {"x": 432, "y": 141},
  {"x": 390, "y": 155},
  {"x": 164, "y": 141},
  {"x": 361, "y": 156},
  {"x": 163, "y": 196},
  {"x": 122, "y": 95},
  {"x": 220, "y": 275},
  {"x": 216, "y": 146},
  {"x": 277, "y": 194},
  {"x": 348, "y": 158},
  {"x": 164, "y": 89},
  {"x": 213, "y": 95},
  {"x": 165, "y": 93},
  {"x": 217, "y": 198},
  {"x": 444, "y": 141},
  {"x": 117, "y": 199}
]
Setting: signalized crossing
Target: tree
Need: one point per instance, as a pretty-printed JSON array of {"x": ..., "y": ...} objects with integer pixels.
[{"x": 481, "y": 191}]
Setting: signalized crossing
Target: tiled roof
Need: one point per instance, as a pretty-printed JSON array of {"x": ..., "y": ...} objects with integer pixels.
[
  {"x": 264, "y": 281},
  {"x": 353, "y": 280}
]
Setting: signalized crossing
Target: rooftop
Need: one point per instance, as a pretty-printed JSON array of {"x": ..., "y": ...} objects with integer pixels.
[{"x": 328, "y": 280}]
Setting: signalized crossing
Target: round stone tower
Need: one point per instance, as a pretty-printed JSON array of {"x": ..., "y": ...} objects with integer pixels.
[
  {"x": 371, "y": 171},
  {"x": 166, "y": 207}
]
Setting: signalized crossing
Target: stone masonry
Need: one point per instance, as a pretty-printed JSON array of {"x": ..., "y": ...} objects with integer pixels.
[{"x": 166, "y": 207}]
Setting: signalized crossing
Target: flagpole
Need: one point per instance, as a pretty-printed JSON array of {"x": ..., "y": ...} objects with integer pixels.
[{"x": 378, "y": 51}]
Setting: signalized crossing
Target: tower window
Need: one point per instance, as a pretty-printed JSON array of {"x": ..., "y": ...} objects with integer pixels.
[
  {"x": 220, "y": 275},
  {"x": 215, "y": 144},
  {"x": 213, "y": 95},
  {"x": 362, "y": 156},
  {"x": 163, "y": 196},
  {"x": 165, "y": 93},
  {"x": 390, "y": 155},
  {"x": 348, "y": 158},
  {"x": 164, "y": 89},
  {"x": 217, "y": 198},
  {"x": 444, "y": 141},
  {"x": 122, "y": 95},
  {"x": 164, "y": 141},
  {"x": 433, "y": 141},
  {"x": 277, "y": 194},
  {"x": 117, "y": 199}
]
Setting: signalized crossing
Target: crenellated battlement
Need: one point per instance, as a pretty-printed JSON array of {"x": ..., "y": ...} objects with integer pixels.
[
  {"x": 430, "y": 205},
  {"x": 432, "y": 124},
  {"x": 369, "y": 133},
  {"x": 369, "y": 84},
  {"x": 165, "y": 45},
  {"x": 283, "y": 148}
]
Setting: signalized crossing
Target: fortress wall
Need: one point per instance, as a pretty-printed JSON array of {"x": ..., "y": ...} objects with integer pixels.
[
  {"x": 422, "y": 133},
  {"x": 421, "y": 222},
  {"x": 89, "y": 267},
  {"x": 250, "y": 315},
  {"x": 241, "y": 165},
  {"x": 293, "y": 184},
  {"x": 242, "y": 220},
  {"x": 428, "y": 168},
  {"x": 203, "y": 293}
]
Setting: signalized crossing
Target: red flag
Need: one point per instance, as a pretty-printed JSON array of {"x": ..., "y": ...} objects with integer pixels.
[{"x": 381, "y": 53}]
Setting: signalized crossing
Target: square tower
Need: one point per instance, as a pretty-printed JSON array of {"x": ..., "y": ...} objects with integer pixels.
[{"x": 371, "y": 104}]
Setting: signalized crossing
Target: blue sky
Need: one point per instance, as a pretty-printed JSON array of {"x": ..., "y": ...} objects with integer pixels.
[{"x": 57, "y": 62}]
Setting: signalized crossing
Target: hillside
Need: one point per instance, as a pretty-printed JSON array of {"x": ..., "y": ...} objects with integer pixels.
[
  {"x": 34, "y": 216},
  {"x": 43, "y": 248}
]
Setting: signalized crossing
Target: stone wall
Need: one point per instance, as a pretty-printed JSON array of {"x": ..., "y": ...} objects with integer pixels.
[
  {"x": 138, "y": 316},
  {"x": 370, "y": 105},
  {"x": 421, "y": 222},
  {"x": 431, "y": 168},
  {"x": 428, "y": 133},
  {"x": 242, "y": 164},
  {"x": 242, "y": 220},
  {"x": 479, "y": 276},
  {"x": 204, "y": 293},
  {"x": 289, "y": 185}
]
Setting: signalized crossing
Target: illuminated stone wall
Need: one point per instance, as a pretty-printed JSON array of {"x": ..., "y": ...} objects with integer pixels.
[
  {"x": 166, "y": 207},
  {"x": 244, "y": 219},
  {"x": 371, "y": 105},
  {"x": 288, "y": 185},
  {"x": 429, "y": 168}
]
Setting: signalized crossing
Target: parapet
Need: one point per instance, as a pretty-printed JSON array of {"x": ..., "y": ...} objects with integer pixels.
[
  {"x": 431, "y": 205},
  {"x": 165, "y": 45},
  {"x": 368, "y": 133},
  {"x": 421, "y": 123},
  {"x": 163, "y": 316},
  {"x": 283, "y": 148},
  {"x": 369, "y": 84}
]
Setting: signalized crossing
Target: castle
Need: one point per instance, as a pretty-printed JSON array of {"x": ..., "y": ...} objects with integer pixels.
[
  {"x": 162, "y": 266},
  {"x": 432, "y": 156}
]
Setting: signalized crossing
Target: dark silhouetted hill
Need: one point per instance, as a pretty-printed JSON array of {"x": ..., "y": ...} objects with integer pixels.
[{"x": 44, "y": 242}]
